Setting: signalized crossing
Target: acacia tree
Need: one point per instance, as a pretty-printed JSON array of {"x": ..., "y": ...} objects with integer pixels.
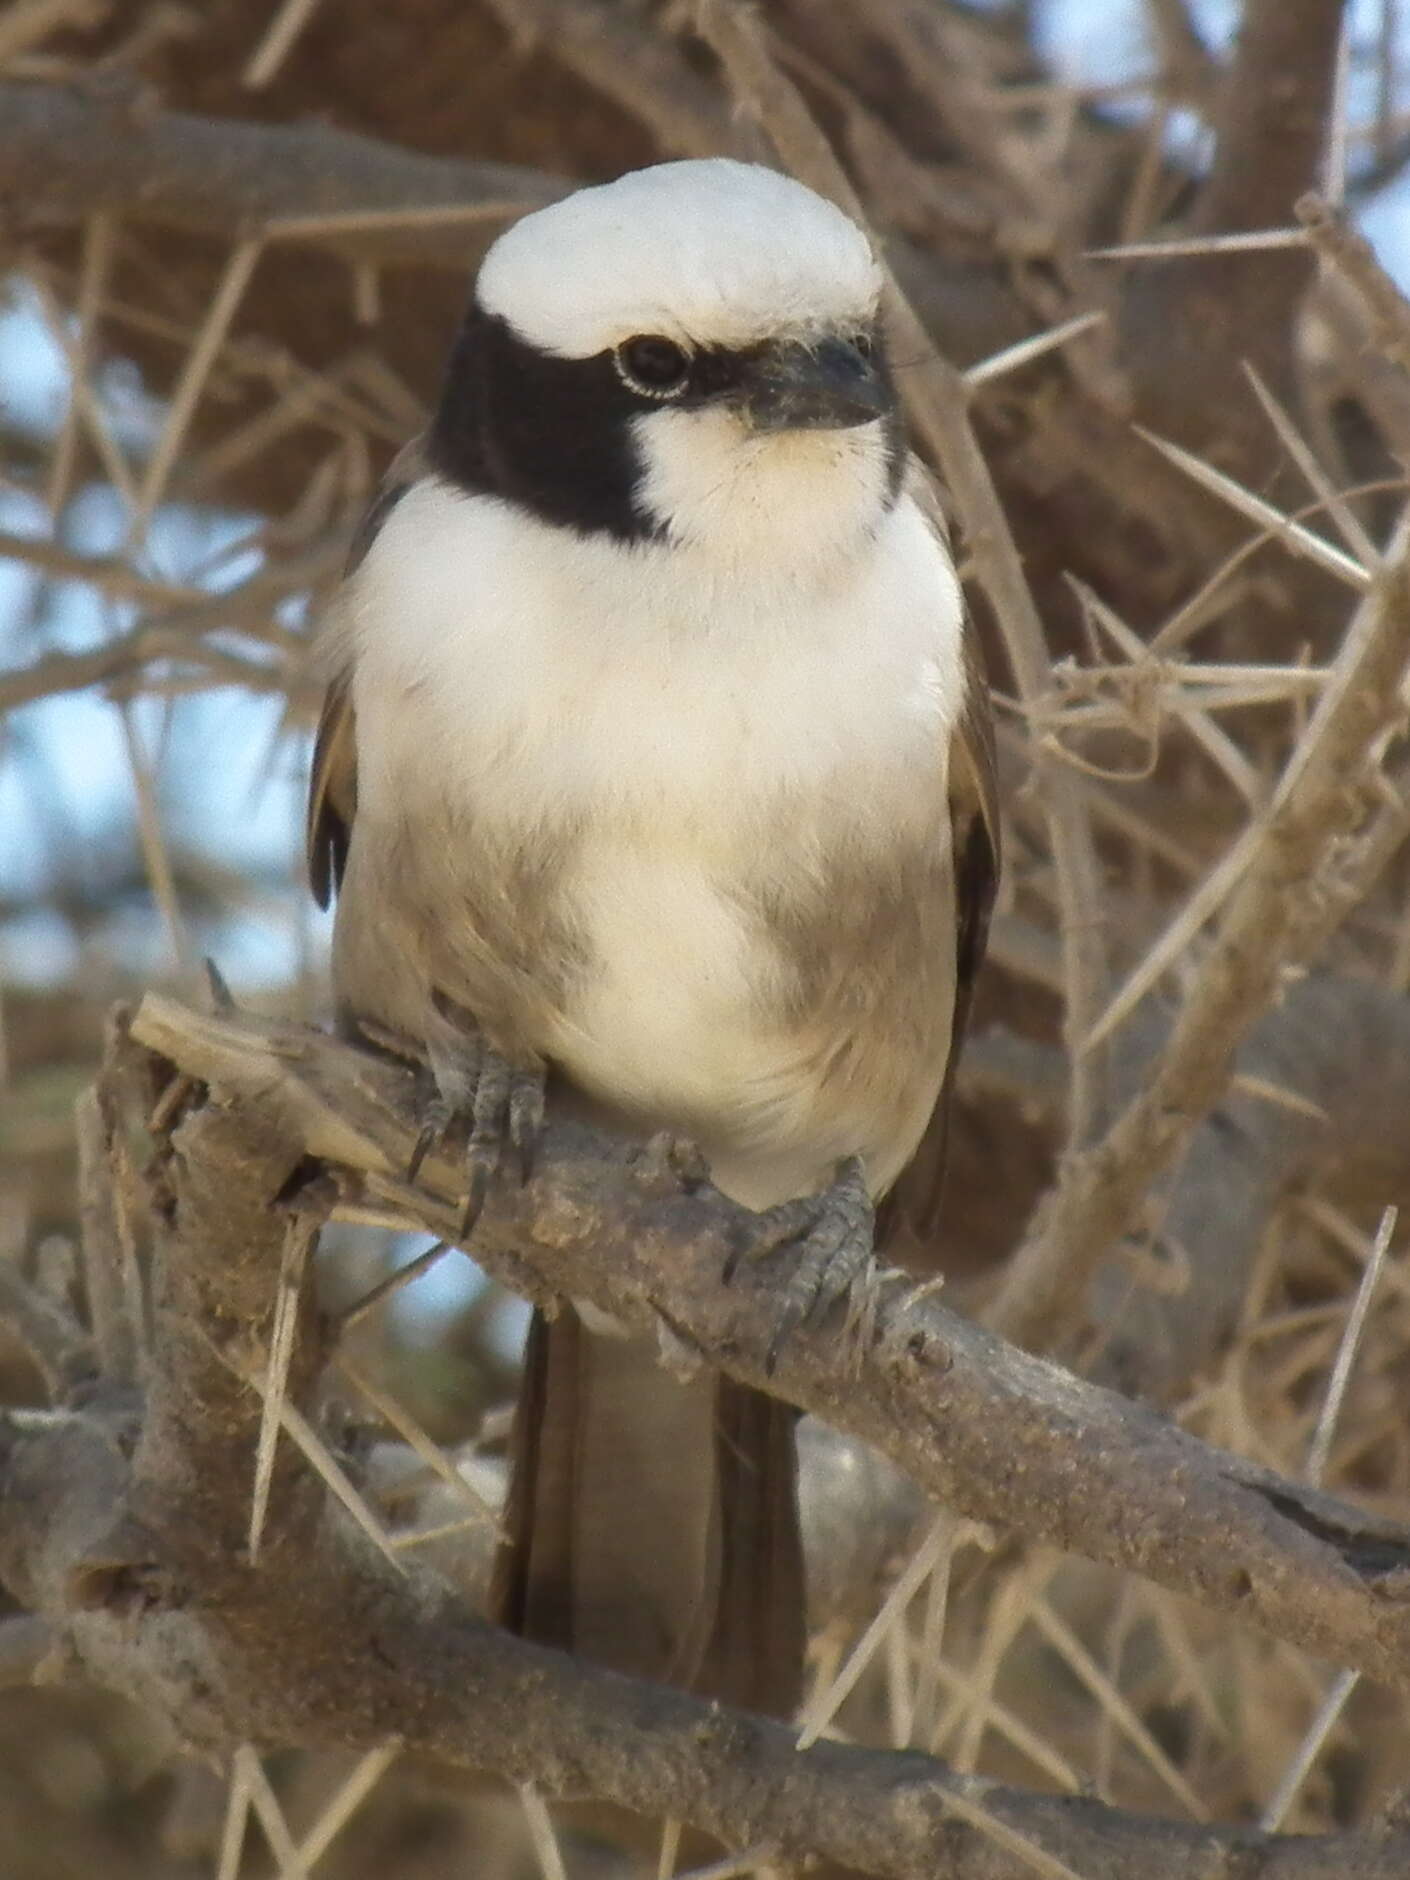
[{"x": 1087, "y": 1528}]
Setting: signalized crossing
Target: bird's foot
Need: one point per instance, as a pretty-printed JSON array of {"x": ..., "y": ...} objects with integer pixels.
[
  {"x": 498, "y": 1105},
  {"x": 832, "y": 1236}
]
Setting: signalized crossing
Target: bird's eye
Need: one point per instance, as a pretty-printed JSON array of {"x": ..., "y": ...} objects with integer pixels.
[
  {"x": 654, "y": 366},
  {"x": 864, "y": 344}
]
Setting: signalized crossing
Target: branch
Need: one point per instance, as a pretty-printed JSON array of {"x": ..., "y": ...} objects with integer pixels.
[
  {"x": 1273, "y": 115},
  {"x": 641, "y": 69},
  {"x": 134, "y": 662},
  {"x": 134, "y": 1551},
  {"x": 326, "y": 1649},
  {"x": 1189, "y": 72},
  {"x": 1188, "y": 325},
  {"x": 69, "y": 153},
  {"x": 1352, "y": 257},
  {"x": 1322, "y": 1085},
  {"x": 993, "y": 1433}
]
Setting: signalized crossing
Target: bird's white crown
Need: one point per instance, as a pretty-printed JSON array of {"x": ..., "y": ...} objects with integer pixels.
[{"x": 705, "y": 252}]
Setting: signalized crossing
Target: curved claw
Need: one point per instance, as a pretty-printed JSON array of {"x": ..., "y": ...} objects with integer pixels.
[
  {"x": 436, "y": 1120},
  {"x": 832, "y": 1235},
  {"x": 475, "y": 1197},
  {"x": 498, "y": 1102}
]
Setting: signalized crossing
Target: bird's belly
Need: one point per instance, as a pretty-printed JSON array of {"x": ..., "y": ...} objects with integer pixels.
[
  {"x": 687, "y": 1015},
  {"x": 670, "y": 1012}
]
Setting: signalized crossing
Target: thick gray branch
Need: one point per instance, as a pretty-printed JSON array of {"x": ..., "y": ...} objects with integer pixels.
[
  {"x": 325, "y": 1648},
  {"x": 68, "y": 153},
  {"x": 987, "y": 1429},
  {"x": 1273, "y": 113}
]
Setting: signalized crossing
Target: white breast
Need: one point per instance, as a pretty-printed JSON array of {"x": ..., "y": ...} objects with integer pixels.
[{"x": 680, "y": 715}]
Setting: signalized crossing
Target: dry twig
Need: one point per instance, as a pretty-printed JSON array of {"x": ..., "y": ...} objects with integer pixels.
[{"x": 1270, "y": 918}]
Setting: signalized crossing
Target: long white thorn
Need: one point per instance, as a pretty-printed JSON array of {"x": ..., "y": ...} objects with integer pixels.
[
  {"x": 1294, "y": 537},
  {"x": 276, "y": 1376}
]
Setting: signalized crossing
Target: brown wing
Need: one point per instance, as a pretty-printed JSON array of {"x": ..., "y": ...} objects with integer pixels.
[
  {"x": 909, "y": 1215},
  {"x": 332, "y": 789}
]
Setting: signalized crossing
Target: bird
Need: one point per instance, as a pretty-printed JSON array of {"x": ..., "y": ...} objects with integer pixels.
[{"x": 655, "y": 773}]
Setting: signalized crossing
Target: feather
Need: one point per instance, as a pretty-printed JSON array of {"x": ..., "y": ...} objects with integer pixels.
[{"x": 909, "y": 1216}]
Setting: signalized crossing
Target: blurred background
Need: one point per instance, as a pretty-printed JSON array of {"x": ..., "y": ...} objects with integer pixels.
[{"x": 237, "y": 235}]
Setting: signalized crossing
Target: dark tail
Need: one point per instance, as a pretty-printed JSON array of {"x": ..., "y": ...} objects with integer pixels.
[{"x": 652, "y": 1525}]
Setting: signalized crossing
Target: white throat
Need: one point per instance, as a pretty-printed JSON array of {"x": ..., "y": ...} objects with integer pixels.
[
  {"x": 785, "y": 501},
  {"x": 533, "y": 671}
]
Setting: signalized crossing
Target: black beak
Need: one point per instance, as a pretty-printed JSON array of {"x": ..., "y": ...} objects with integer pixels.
[{"x": 827, "y": 386}]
